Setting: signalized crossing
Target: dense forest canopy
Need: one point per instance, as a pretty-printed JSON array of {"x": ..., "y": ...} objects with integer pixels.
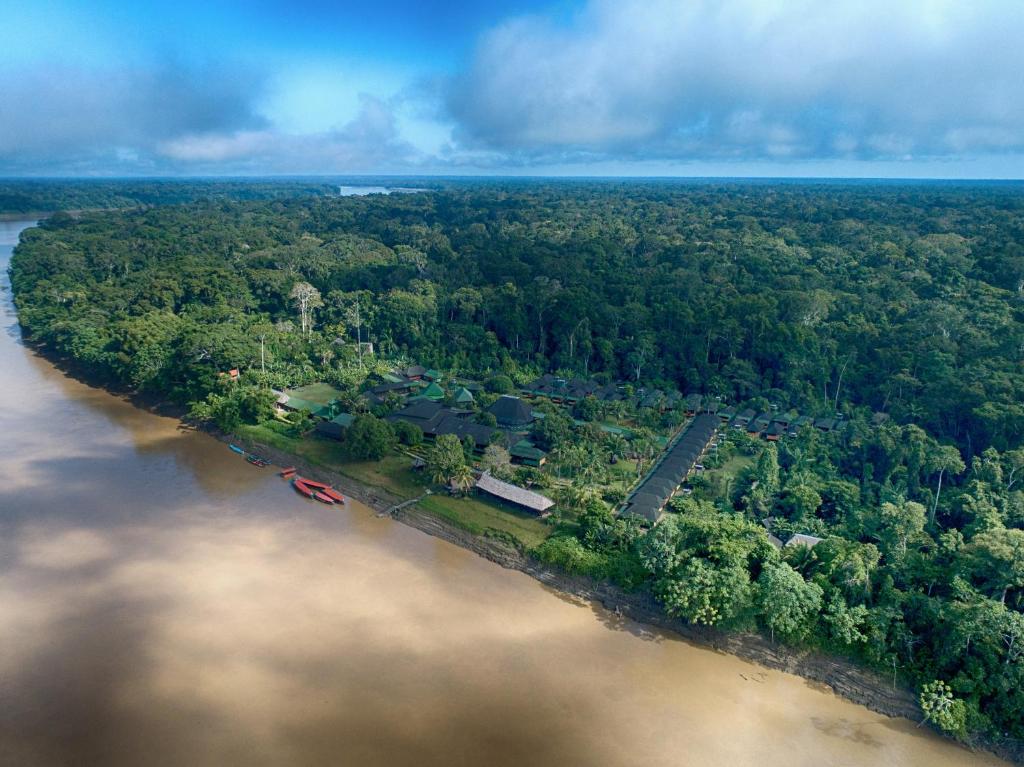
[
  {"x": 45, "y": 194},
  {"x": 896, "y": 305},
  {"x": 900, "y": 299}
]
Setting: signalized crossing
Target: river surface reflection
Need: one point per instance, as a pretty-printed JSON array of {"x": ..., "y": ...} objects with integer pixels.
[{"x": 164, "y": 603}]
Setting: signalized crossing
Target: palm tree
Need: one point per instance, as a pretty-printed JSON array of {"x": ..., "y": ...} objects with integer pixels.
[{"x": 461, "y": 479}]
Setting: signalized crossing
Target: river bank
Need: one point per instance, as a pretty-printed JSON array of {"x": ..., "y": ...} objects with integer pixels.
[{"x": 847, "y": 680}]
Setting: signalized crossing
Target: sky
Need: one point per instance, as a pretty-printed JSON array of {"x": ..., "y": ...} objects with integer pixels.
[{"x": 802, "y": 88}]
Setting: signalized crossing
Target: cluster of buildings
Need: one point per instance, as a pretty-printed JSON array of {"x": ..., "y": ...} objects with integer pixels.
[
  {"x": 650, "y": 498},
  {"x": 569, "y": 391},
  {"x": 774, "y": 426}
]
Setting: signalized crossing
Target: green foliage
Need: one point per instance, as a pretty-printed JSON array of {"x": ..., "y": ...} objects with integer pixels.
[
  {"x": 500, "y": 384},
  {"x": 368, "y": 438},
  {"x": 702, "y": 561},
  {"x": 408, "y": 433},
  {"x": 789, "y": 606},
  {"x": 569, "y": 554},
  {"x": 942, "y": 709},
  {"x": 446, "y": 459}
]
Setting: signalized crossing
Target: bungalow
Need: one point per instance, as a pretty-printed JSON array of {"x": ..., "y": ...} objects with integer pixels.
[
  {"x": 511, "y": 412},
  {"x": 433, "y": 391},
  {"x": 825, "y": 424},
  {"x": 514, "y": 494},
  {"x": 774, "y": 432},
  {"x": 784, "y": 419},
  {"x": 463, "y": 396},
  {"x": 295, "y": 404},
  {"x": 462, "y": 428},
  {"x": 743, "y": 418},
  {"x": 528, "y": 454},
  {"x": 694, "y": 402},
  {"x": 401, "y": 388},
  {"x": 335, "y": 428},
  {"x": 414, "y": 372},
  {"x": 763, "y": 421},
  {"x": 799, "y": 423},
  {"x": 726, "y": 414}
]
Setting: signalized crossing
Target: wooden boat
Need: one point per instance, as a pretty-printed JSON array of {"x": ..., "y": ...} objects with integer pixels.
[
  {"x": 317, "y": 485},
  {"x": 302, "y": 488},
  {"x": 323, "y": 498},
  {"x": 237, "y": 449},
  {"x": 333, "y": 494},
  {"x": 287, "y": 473},
  {"x": 255, "y": 460}
]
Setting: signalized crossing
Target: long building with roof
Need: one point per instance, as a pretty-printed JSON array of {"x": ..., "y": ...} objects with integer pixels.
[{"x": 649, "y": 499}]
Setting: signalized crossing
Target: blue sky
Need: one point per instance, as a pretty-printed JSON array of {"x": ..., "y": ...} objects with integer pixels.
[{"x": 918, "y": 88}]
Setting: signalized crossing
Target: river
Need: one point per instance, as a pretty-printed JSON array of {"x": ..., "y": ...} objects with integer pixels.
[{"x": 164, "y": 603}]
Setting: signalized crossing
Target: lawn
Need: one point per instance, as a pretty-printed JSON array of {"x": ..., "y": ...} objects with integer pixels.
[
  {"x": 320, "y": 393},
  {"x": 476, "y": 515}
]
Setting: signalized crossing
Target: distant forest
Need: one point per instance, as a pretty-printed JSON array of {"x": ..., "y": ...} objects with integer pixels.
[{"x": 898, "y": 306}]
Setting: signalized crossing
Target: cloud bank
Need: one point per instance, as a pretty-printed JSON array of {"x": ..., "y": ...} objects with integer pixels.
[
  {"x": 748, "y": 79},
  {"x": 789, "y": 83}
]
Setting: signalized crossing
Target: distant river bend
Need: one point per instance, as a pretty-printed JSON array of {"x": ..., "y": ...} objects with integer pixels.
[{"x": 164, "y": 603}]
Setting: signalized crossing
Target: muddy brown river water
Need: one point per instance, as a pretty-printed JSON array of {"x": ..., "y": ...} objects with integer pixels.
[{"x": 164, "y": 603}]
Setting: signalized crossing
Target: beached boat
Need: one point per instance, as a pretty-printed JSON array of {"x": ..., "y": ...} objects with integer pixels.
[
  {"x": 255, "y": 460},
  {"x": 323, "y": 498},
  {"x": 317, "y": 485},
  {"x": 330, "y": 492},
  {"x": 237, "y": 449},
  {"x": 288, "y": 472},
  {"x": 303, "y": 488}
]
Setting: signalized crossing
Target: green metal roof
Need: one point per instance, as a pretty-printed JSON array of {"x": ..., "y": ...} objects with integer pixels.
[
  {"x": 297, "y": 403},
  {"x": 433, "y": 392}
]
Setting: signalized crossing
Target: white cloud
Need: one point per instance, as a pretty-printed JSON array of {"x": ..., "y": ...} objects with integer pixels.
[{"x": 748, "y": 79}]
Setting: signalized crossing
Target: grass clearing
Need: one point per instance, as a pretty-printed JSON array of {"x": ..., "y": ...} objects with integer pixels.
[
  {"x": 476, "y": 515},
  {"x": 320, "y": 393}
]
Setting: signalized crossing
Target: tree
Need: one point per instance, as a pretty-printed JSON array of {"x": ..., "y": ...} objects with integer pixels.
[
  {"x": 943, "y": 710},
  {"x": 942, "y": 459},
  {"x": 900, "y": 526},
  {"x": 354, "y": 317},
  {"x": 787, "y": 603},
  {"x": 445, "y": 459},
  {"x": 497, "y": 461},
  {"x": 996, "y": 558},
  {"x": 461, "y": 479},
  {"x": 500, "y": 384},
  {"x": 306, "y": 298},
  {"x": 369, "y": 438},
  {"x": 408, "y": 433},
  {"x": 847, "y": 626}
]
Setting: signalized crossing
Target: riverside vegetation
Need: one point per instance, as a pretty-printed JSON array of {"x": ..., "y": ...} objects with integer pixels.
[{"x": 898, "y": 306}]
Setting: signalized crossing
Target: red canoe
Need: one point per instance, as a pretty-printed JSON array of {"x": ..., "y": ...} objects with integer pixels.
[
  {"x": 317, "y": 485},
  {"x": 323, "y": 498},
  {"x": 333, "y": 494},
  {"x": 286, "y": 473},
  {"x": 303, "y": 488}
]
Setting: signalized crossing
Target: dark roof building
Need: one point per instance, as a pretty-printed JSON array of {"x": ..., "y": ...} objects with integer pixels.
[
  {"x": 650, "y": 498},
  {"x": 528, "y": 454},
  {"x": 511, "y": 412}
]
